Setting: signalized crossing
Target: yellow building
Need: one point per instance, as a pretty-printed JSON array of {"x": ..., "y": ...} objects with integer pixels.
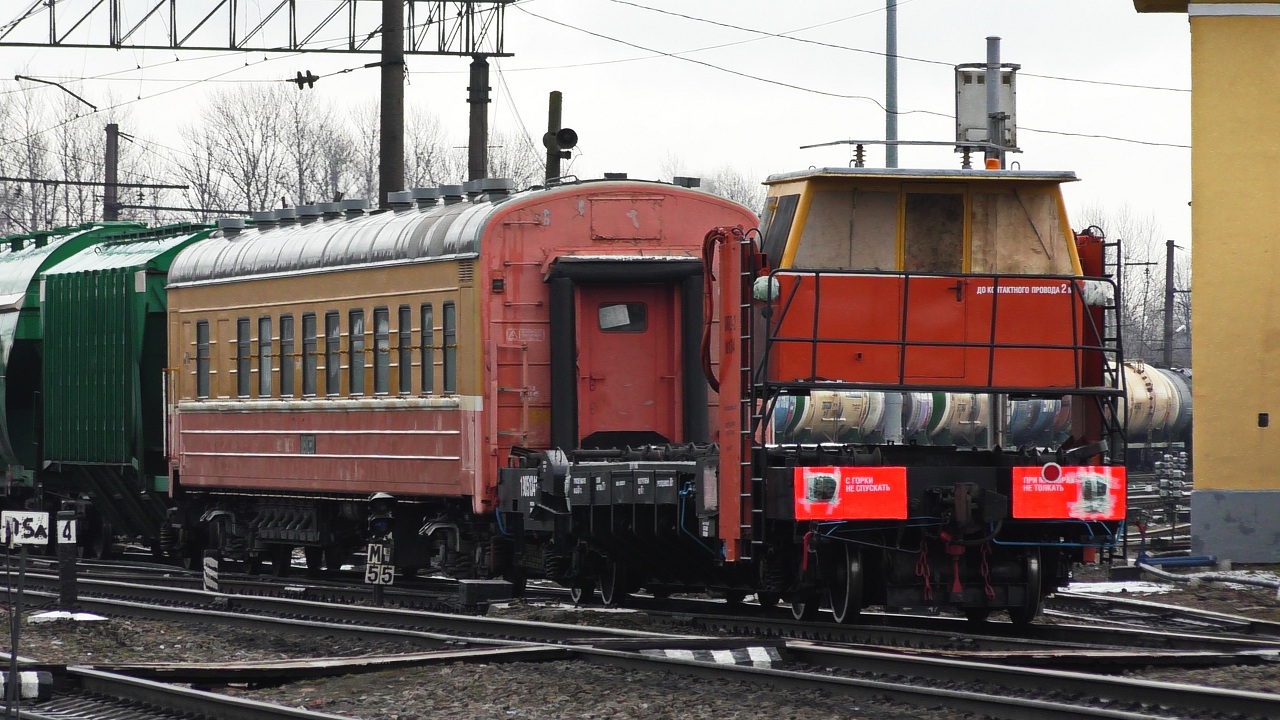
[{"x": 1235, "y": 176}]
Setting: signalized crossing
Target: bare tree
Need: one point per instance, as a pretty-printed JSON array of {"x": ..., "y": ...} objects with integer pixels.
[
  {"x": 1142, "y": 287},
  {"x": 510, "y": 156}
]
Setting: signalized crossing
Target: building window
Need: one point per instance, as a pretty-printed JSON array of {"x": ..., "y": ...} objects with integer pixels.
[
  {"x": 381, "y": 351},
  {"x": 428, "y": 351},
  {"x": 243, "y": 361},
  {"x": 264, "y": 357},
  {"x": 332, "y": 353},
  {"x": 450, "y": 348},
  {"x": 309, "y": 354},
  {"x": 202, "y": 359},
  {"x": 286, "y": 356},
  {"x": 405, "y": 332},
  {"x": 355, "y": 351}
]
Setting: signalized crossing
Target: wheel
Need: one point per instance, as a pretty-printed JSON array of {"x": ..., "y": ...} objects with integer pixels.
[
  {"x": 804, "y": 608},
  {"x": 613, "y": 584},
  {"x": 734, "y": 598},
  {"x": 582, "y": 592},
  {"x": 315, "y": 559},
  {"x": 281, "y": 560},
  {"x": 767, "y": 599},
  {"x": 100, "y": 546},
  {"x": 1025, "y": 613},
  {"x": 844, "y": 589}
]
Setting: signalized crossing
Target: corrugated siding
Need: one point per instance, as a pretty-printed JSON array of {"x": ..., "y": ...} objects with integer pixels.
[
  {"x": 91, "y": 377},
  {"x": 94, "y": 319}
]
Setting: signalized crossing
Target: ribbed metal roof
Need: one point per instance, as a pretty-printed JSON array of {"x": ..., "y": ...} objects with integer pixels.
[{"x": 384, "y": 237}]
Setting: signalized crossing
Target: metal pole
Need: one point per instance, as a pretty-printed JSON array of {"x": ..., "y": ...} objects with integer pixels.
[
  {"x": 391, "y": 125},
  {"x": 891, "y": 83},
  {"x": 553, "y": 127},
  {"x": 110, "y": 198},
  {"x": 478, "y": 140},
  {"x": 993, "y": 99},
  {"x": 13, "y": 688},
  {"x": 1168, "y": 303}
]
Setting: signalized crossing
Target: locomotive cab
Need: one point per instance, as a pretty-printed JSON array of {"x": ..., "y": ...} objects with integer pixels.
[{"x": 938, "y": 347}]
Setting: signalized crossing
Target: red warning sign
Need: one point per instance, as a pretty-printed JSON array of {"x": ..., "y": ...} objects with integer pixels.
[
  {"x": 851, "y": 493},
  {"x": 1053, "y": 492}
]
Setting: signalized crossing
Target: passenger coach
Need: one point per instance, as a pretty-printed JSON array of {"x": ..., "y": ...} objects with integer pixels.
[{"x": 321, "y": 359}]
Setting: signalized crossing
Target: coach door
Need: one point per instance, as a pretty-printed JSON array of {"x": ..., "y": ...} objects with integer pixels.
[{"x": 629, "y": 354}]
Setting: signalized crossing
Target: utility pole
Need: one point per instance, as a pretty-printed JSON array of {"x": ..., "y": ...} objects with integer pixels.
[
  {"x": 553, "y": 127},
  {"x": 391, "y": 125},
  {"x": 1169, "y": 292},
  {"x": 995, "y": 128},
  {"x": 891, "y": 83},
  {"x": 110, "y": 199},
  {"x": 478, "y": 139}
]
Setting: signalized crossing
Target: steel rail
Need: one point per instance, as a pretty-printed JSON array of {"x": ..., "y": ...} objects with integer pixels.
[
  {"x": 103, "y": 694},
  {"x": 1104, "y": 688}
]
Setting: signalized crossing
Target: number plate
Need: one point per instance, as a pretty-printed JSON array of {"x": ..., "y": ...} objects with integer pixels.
[
  {"x": 378, "y": 554},
  {"x": 26, "y": 528},
  {"x": 380, "y": 574},
  {"x": 66, "y": 532}
]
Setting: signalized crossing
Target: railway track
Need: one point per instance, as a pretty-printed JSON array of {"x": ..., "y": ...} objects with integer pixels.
[{"x": 818, "y": 662}]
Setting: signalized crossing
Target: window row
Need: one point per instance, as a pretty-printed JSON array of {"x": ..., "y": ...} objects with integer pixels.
[{"x": 277, "y": 368}]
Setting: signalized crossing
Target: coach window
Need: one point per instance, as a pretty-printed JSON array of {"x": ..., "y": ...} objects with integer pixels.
[
  {"x": 428, "y": 351},
  {"x": 202, "y": 359},
  {"x": 242, "y": 357},
  {"x": 264, "y": 357},
  {"x": 355, "y": 351},
  {"x": 332, "y": 351},
  {"x": 405, "y": 332},
  {"x": 450, "y": 348},
  {"x": 286, "y": 356},
  {"x": 309, "y": 354},
  {"x": 381, "y": 351}
]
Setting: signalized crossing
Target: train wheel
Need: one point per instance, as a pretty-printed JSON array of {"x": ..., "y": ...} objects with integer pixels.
[
  {"x": 100, "y": 547},
  {"x": 767, "y": 599},
  {"x": 582, "y": 592},
  {"x": 1025, "y": 613},
  {"x": 845, "y": 589},
  {"x": 804, "y": 608},
  {"x": 315, "y": 559},
  {"x": 613, "y": 584},
  {"x": 977, "y": 615},
  {"x": 281, "y": 560}
]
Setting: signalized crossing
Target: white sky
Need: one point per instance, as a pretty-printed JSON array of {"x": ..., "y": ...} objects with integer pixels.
[{"x": 634, "y": 108}]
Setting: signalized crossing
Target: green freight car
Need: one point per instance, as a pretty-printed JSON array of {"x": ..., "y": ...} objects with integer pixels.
[
  {"x": 22, "y": 260},
  {"x": 103, "y": 424}
]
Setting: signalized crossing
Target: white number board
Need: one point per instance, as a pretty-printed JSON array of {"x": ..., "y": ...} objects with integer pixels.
[
  {"x": 380, "y": 574},
  {"x": 66, "y": 532},
  {"x": 25, "y": 528}
]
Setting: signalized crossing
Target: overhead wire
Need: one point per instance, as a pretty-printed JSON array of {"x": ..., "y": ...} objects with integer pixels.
[{"x": 788, "y": 36}]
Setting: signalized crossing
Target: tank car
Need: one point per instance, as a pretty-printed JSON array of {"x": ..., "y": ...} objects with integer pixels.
[
  {"x": 359, "y": 375},
  {"x": 947, "y": 295}
]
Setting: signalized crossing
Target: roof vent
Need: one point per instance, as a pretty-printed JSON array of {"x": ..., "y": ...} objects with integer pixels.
[
  {"x": 425, "y": 197},
  {"x": 615, "y": 176},
  {"x": 354, "y": 207},
  {"x": 230, "y": 227},
  {"x": 308, "y": 214},
  {"x": 452, "y": 194},
  {"x": 401, "y": 200},
  {"x": 264, "y": 220},
  {"x": 287, "y": 216},
  {"x": 331, "y": 210},
  {"x": 686, "y": 182},
  {"x": 494, "y": 188}
]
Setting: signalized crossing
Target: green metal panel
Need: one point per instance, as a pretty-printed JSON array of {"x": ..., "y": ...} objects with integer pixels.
[
  {"x": 22, "y": 259},
  {"x": 104, "y": 340}
]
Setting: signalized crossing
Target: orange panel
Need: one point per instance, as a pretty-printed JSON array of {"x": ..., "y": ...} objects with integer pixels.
[{"x": 948, "y": 337}]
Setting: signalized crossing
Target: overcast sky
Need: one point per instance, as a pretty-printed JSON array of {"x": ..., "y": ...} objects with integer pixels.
[{"x": 643, "y": 85}]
